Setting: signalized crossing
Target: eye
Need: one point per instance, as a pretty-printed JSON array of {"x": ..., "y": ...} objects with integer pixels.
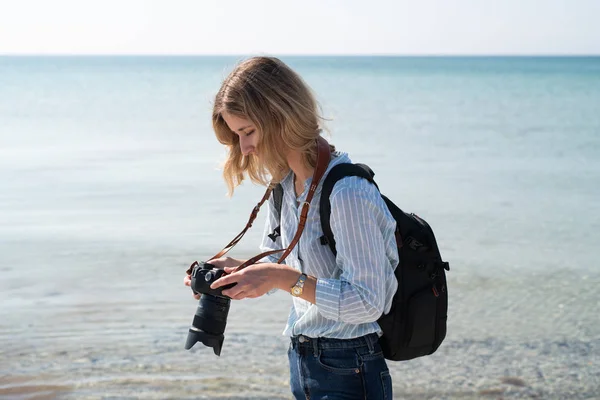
[{"x": 249, "y": 133}]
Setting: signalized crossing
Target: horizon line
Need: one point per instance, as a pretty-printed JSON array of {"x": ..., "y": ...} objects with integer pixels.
[{"x": 251, "y": 54}]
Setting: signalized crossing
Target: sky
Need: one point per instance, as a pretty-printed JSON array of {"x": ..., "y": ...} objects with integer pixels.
[{"x": 394, "y": 27}]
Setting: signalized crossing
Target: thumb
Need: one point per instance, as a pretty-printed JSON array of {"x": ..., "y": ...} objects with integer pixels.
[{"x": 229, "y": 270}]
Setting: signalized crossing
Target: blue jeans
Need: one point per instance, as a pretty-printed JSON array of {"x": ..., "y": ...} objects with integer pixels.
[{"x": 335, "y": 369}]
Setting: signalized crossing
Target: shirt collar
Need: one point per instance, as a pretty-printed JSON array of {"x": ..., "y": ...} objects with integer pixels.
[{"x": 288, "y": 182}]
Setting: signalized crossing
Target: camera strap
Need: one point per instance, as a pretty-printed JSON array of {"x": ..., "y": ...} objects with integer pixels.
[{"x": 323, "y": 158}]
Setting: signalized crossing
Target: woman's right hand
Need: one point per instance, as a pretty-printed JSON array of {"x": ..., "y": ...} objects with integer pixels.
[{"x": 187, "y": 281}]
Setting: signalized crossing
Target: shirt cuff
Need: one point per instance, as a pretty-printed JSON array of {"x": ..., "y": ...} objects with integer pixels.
[{"x": 327, "y": 298}]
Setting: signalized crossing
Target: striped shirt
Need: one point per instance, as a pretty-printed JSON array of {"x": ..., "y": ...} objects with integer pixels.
[{"x": 354, "y": 288}]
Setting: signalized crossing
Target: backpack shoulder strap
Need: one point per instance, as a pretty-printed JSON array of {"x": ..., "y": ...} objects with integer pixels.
[
  {"x": 335, "y": 174},
  {"x": 277, "y": 200}
]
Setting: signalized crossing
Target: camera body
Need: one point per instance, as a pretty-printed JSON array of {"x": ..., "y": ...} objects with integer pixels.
[
  {"x": 210, "y": 319},
  {"x": 203, "y": 275}
]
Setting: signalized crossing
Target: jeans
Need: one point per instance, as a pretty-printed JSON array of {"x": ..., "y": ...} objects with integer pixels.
[{"x": 333, "y": 369}]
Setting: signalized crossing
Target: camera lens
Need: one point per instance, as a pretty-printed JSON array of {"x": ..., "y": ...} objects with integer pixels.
[
  {"x": 209, "y": 323},
  {"x": 211, "y": 315}
]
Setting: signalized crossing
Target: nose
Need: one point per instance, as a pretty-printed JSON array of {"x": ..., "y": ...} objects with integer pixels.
[{"x": 246, "y": 146}]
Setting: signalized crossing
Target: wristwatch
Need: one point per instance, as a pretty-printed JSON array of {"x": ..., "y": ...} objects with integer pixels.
[{"x": 298, "y": 288}]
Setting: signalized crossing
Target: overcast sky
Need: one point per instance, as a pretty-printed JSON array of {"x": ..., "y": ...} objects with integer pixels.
[{"x": 299, "y": 27}]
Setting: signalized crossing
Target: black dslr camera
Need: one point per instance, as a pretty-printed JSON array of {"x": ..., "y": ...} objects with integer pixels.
[{"x": 211, "y": 315}]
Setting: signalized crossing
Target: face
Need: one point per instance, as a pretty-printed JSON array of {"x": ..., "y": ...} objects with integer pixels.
[{"x": 246, "y": 131}]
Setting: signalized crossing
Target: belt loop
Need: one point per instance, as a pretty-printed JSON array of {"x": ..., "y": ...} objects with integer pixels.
[
  {"x": 370, "y": 343},
  {"x": 315, "y": 346}
]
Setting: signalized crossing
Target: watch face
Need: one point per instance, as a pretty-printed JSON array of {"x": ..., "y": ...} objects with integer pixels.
[{"x": 296, "y": 291}]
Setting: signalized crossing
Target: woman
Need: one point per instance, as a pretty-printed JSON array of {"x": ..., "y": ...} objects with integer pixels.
[{"x": 268, "y": 119}]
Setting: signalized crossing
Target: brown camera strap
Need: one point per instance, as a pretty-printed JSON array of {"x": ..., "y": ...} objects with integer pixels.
[{"x": 323, "y": 158}]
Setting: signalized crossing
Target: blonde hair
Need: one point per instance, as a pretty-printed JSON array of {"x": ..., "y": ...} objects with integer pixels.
[{"x": 281, "y": 106}]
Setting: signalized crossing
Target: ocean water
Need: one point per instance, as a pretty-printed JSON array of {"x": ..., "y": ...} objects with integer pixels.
[{"x": 110, "y": 187}]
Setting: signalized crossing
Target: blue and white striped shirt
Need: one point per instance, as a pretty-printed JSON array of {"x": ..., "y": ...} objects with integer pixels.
[{"x": 354, "y": 288}]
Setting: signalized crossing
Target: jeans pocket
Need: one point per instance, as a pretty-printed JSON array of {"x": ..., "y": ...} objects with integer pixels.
[{"x": 340, "y": 361}]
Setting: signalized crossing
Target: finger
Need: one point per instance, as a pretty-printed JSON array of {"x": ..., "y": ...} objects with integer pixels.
[
  {"x": 224, "y": 280},
  {"x": 197, "y": 296},
  {"x": 235, "y": 291},
  {"x": 216, "y": 262},
  {"x": 229, "y": 270},
  {"x": 238, "y": 295}
]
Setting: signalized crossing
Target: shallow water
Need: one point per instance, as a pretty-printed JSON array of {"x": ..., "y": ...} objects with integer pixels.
[{"x": 109, "y": 189}]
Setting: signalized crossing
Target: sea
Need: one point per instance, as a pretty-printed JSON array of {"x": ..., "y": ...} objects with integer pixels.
[{"x": 111, "y": 186}]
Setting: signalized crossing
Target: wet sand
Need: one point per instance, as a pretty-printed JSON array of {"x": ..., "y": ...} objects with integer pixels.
[
  {"x": 505, "y": 340},
  {"x": 100, "y": 322},
  {"x": 489, "y": 369}
]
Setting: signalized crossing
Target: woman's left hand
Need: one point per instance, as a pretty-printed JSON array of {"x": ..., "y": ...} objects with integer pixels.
[{"x": 252, "y": 281}]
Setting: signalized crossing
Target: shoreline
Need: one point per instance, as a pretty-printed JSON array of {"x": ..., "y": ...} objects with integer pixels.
[{"x": 459, "y": 369}]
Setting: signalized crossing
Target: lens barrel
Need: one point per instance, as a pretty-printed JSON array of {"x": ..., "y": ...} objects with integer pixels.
[{"x": 209, "y": 323}]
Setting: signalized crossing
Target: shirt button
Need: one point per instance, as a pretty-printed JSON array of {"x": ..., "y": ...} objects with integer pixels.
[{"x": 302, "y": 339}]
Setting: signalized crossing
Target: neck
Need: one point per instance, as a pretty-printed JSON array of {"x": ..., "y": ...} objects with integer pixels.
[{"x": 297, "y": 165}]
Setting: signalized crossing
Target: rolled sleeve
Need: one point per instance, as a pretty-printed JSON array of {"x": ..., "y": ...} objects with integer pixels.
[{"x": 327, "y": 297}]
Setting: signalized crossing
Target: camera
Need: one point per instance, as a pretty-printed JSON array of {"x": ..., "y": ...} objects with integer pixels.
[{"x": 210, "y": 319}]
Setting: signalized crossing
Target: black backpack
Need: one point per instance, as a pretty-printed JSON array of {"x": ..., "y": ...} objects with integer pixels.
[{"x": 416, "y": 323}]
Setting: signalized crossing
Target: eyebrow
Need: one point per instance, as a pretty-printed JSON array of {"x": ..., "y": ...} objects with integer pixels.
[{"x": 245, "y": 127}]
